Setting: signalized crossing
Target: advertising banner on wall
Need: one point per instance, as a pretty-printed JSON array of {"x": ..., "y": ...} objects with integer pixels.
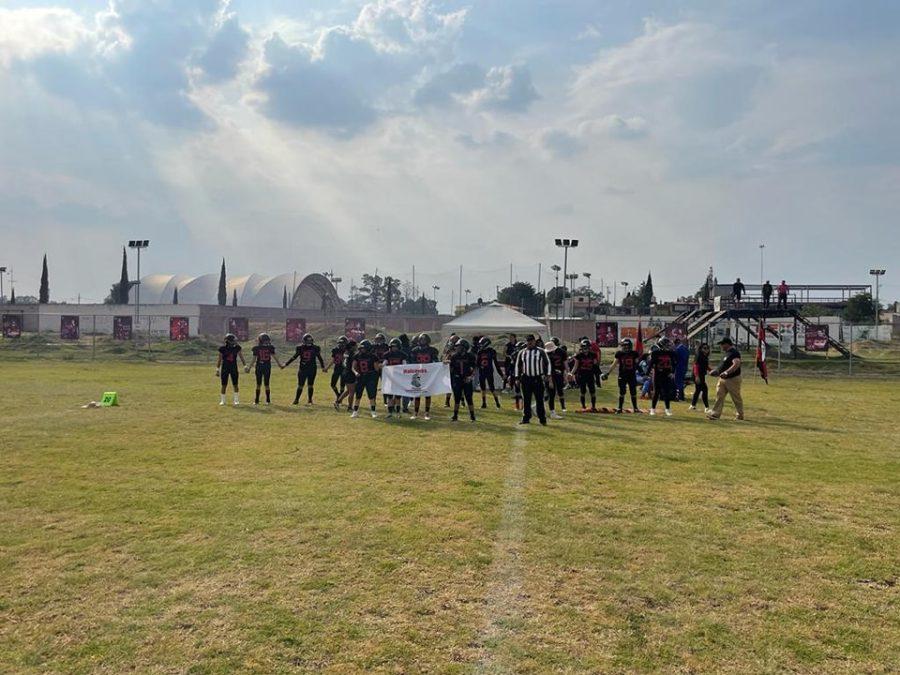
[
  {"x": 607, "y": 333},
  {"x": 355, "y": 329},
  {"x": 240, "y": 326},
  {"x": 294, "y": 330},
  {"x": 179, "y": 328},
  {"x": 12, "y": 325},
  {"x": 817, "y": 338},
  {"x": 69, "y": 328},
  {"x": 122, "y": 328}
]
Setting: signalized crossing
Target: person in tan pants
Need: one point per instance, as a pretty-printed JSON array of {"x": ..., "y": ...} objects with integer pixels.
[{"x": 729, "y": 384}]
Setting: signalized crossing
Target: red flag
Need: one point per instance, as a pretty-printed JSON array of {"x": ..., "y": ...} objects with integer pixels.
[
  {"x": 761, "y": 352},
  {"x": 639, "y": 345}
]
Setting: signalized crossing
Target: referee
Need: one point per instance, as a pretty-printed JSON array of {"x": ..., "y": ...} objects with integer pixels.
[{"x": 532, "y": 369}]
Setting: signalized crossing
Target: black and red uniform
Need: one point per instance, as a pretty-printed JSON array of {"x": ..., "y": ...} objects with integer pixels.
[
  {"x": 425, "y": 354},
  {"x": 509, "y": 354},
  {"x": 487, "y": 359},
  {"x": 364, "y": 363},
  {"x": 307, "y": 356},
  {"x": 462, "y": 369},
  {"x": 263, "y": 355},
  {"x": 628, "y": 365},
  {"x": 662, "y": 365},
  {"x": 558, "y": 359},
  {"x": 229, "y": 367},
  {"x": 394, "y": 357},
  {"x": 587, "y": 365},
  {"x": 337, "y": 366}
]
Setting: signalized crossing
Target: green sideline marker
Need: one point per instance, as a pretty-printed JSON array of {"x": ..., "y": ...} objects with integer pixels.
[{"x": 110, "y": 398}]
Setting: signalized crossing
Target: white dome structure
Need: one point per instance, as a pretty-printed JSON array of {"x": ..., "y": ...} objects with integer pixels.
[{"x": 315, "y": 291}]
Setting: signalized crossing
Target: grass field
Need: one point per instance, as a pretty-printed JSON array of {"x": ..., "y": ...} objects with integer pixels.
[{"x": 172, "y": 535}]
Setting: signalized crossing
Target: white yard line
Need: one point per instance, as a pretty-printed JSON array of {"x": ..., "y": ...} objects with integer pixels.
[{"x": 504, "y": 591}]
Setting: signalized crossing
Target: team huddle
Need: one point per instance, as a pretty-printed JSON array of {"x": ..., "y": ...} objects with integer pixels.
[{"x": 533, "y": 373}]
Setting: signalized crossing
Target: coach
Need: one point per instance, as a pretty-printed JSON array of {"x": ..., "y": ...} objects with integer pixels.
[
  {"x": 532, "y": 369},
  {"x": 729, "y": 373}
]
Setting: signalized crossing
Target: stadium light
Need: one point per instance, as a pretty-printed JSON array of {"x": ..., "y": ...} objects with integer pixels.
[
  {"x": 435, "y": 289},
  {"x": 566, "y": 244},
  {"x": 557, "y": 269},
  {"x": 138, "y": 244},
  {"x": 877, "y": 273},
  {"x": 587, "y": 275}
]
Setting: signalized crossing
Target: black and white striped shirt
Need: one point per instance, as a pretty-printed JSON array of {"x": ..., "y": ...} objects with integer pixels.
[{"x": 532, "y": 362}]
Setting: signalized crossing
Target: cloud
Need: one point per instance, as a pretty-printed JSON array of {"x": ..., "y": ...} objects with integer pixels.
[
  {"x": 448, "y": 87},
  {"x": 506, "y": 88},
  {"x": 615, "y": 126},
  {"x": 134, "y": 56},
  {"x": 225, "y": 51},
  {"x": 303, "y": 92},
  {"x": 561, "y": 143}
]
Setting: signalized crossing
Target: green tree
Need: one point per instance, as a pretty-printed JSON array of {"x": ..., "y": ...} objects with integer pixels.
[
  {"x": 708, "y": 288},
  {"x": 175, "y": 296},
  {"x": 223, "y": 293},
  {"x": 556, "y": 295},
  {"x": 522, "y": 294},
  {"x": 860, "y": 308},
  {"x": 371, "y": 291},
  {"x": 234, "y": 297},
  {"x": 44, "y": 292},
  {"x": 284, "y": 298},
  {"x": 391, "y": 292},
  {"x": 12, "y": 296},
  {"x": 420, "y": 305},
  {"x": 646, "y": 293},
  {"x": 118, "y": 292}
]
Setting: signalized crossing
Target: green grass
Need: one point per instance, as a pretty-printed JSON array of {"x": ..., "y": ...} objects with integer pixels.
[{"x": 172, "y": 535}]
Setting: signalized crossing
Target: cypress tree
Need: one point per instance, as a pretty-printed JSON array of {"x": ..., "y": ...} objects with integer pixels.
[
  {"x": 12, "y": 296},
  {"x": 284, "y": 299},
  {"x": 234, "y": 297},
  {"x": 44, "y": 293},
  {"x": 647, "y": 292},
  {"x": 223, "y": 294},
  {"x": 124, "y": 283},
  {"x": 175, "y": 296}
]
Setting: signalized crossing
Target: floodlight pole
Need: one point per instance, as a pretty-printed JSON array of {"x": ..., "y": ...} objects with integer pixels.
[
  {"x": 2, "y": 272},
  {"x": 877, "y": 273},
  {"x": 762, "y": 247},
  {"x": 138, "y": 244},
  {"x": 565, "y": 244}
]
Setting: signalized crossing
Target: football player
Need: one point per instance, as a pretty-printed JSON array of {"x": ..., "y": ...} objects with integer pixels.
[
  {"x": 423, "y": 352},
  {"x": 227, "y": 368},
  {"x": 365, "y": 366},
  {"x": 462, "y": 370},
  {"x": 394, "y": 356},
  {"x": 626, "y": 360},
  {"x": 263, "y": 353},
  {"x": 559, "y": 356},
  {"x": 585, "y": 367},
  {"x": 487, "y": 361},
  {"x": 308, "y": 352},
  {"x": 662, "y": 365}
]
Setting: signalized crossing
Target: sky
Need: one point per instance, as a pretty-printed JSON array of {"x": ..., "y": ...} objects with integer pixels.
[{"x": 355, "y": 136}]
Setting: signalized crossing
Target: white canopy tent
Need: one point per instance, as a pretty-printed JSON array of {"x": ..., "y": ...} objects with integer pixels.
[{"x": 494, "y": 319}]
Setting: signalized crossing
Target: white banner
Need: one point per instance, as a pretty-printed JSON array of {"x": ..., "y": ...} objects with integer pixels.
[{"x": 416, "y": 379}]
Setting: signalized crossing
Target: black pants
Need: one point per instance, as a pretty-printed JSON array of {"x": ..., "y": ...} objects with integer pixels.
[
  {"x": 369, "y": 384},
  {"x": 229, "y": 372},
  {"x": 263, "y": 374},
  {"x": 558, "y": 378},
  {"x": 782, "y": 302},
  {"x": 306, "y": 376},
  {"x": 663, "y": 387},
  {"x": 629, "y": 383},
  {"x": 767, "y": 300},
  {"x": 533, "y": 388},
  {"x": 486, "y": 378},
  {"x": 701, "y": 389},
  {"x": 586, "y": 384},
  {"x": 462, "y": 390},
  {"x": 336, "y": 376}
]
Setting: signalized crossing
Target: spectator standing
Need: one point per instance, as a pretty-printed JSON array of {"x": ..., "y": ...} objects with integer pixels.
[
  {"x": 532, "y": 370},
  {"x": 682, "y": 359},
  {"x": 729, "y": 384},
  {"x": 767, "y": 294},
  {"x": 783, "y": 290},
  {"x": 737, "y": 290}
]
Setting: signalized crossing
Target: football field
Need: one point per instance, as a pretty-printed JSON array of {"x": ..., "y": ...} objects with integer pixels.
[{"x": 170, "y": 534}]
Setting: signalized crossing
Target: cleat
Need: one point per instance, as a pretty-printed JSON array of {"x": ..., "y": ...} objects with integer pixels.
[
  {"x": 337, "y": 406},
  {"x": 221, "y": 402},
  {"x": 692, "y": 407},
  {"x": 618, "y": 411},
  {"x": 427, "y": 416},
  {"x": 374, "y": 414},
  {"x": 354, "y": 414},
  {"x": 668, "y": 413},
  {"x": 454, "y": 418},
  {"x": 497, "y": 402},
  {"x": 708, "y": 411},
  {"x": 554, "y": 415},
  {"x": 413, "y": 416},
  {"x": 652, "y": 412}
]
